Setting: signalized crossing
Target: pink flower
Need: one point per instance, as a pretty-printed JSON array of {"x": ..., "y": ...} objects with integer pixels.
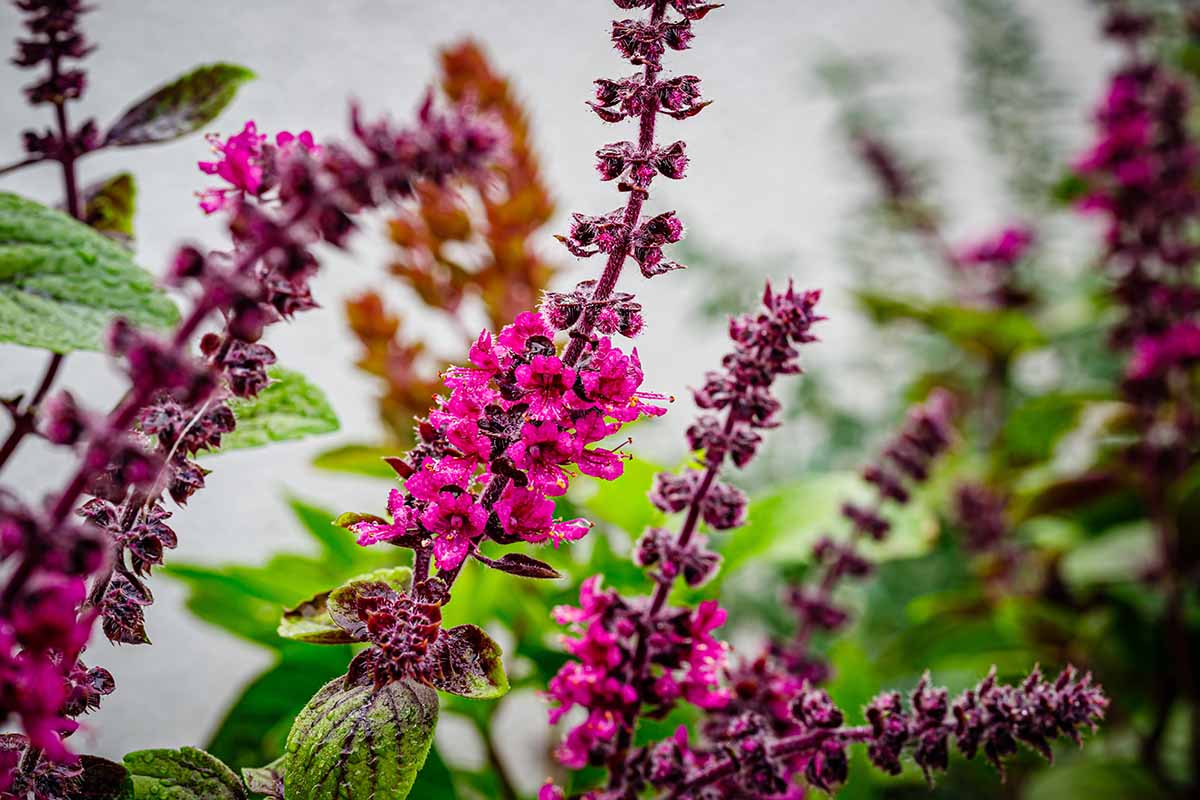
[
  {"x": 541, "y": 452},
  {"x": 1006, "y": 248},
  {"x": 244, "y": 163},
  {"x": 545, "y": 381},
  {"x": 592, "y": 603},
  {"x": 525, "y": 513},
  {"x": 240, "y": 165},
  {"x": 455, "y": 519},
  {"x": 1155, "y": 355},
  {"x": 527, "y": 324},
  {"x": 374, "y": 532}
]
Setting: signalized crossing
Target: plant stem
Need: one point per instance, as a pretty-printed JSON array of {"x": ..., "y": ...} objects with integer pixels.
[
  {"x": 16, "y": 165},
  {"x": 633, "y": 212},
  {"x": 661, "y": 591},
  {"x": 24, "y": 420}
]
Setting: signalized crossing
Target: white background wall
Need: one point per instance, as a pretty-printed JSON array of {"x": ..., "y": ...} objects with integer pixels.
[{"x": 768, "y": 175}]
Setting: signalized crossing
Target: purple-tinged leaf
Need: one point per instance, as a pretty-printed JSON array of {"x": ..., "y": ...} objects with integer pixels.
[
  {"x": 186, "y": 104},
  {"x": 521, "y": 565},
  {"x": 310, "y": 622},
  {"x": 102, "y": 779},
  {"x": 267, "y": 781},
  {"x": 343, "y": 601},
  {"x": 466, "y": 661}
]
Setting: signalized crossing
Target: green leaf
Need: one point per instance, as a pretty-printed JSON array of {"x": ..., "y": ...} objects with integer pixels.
[
  {"x": 108, "y": 207},
  {"x": 1093, "y": 780},
  {"x": 467, "y": 663},
  {"x": 186, "y": 104},
  {"x": 998, "y": 332},
  {"x": 359, "y": 742},
  {"x": 1069, "y": 189},
  {"x": 357, "y": 459},
  {"x": 290, "y": 408},
  {"x": 184, "y": 774},
  {"x": 1123, "y": 554},
  {"x": 1033, "y": 429},
  {"x": 310, "y": 622},
  {"x": 783, "y": 526},
  {"x": 322, "y": 526},
  {"x": 62, "y": 283}
]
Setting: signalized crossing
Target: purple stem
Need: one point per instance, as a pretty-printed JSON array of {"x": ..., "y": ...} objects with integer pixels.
[{"x": 633, "y": 211}]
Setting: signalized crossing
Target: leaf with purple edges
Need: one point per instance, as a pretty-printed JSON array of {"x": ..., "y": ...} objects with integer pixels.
[
  {"x": 467, "y": 662},
  {"x": 521, "y": 565},
  {"x": 185, "y": 105},
  {"x": 343, "y": 601},
  {"x": 310, "y": 622}
]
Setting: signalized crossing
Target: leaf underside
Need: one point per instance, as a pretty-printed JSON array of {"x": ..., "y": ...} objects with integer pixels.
[{"x": 292, "y": 407}]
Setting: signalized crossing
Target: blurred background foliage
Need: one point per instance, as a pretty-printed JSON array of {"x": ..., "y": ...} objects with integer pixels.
[{"x": 1040, "y": 428}]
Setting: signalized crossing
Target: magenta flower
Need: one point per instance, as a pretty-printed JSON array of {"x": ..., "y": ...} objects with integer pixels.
[
  {"x": 456, "y": 520},
  {"x": 244, "y": 162},
  {"x": 545, "y": 381},
  {"x": 542, "y": 451},
  {"x": 370, "y": 532}
]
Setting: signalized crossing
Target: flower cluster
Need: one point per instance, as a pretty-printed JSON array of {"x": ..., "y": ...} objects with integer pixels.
[
  {"x": 516, "y": 425},
  {"x": 682, "y": 662},
  {"x": 245, "y": 164},
  {"x": 175, "y": 407},
  {"x": 637, "y": 657},
  {"x": 55, "y": 37},
  {"x": 1141, "y": 174},
  {"x": 905, "y": 463},
  {"x": 763, "y": 688},
  {"x": 982, "y": 514},
  {"x": 626, "y": 232},
  {"x": 992, "y": 718},
  {"x": 460, "y": 248}
]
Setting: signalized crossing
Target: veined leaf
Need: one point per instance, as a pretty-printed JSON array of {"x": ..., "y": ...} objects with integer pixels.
[
  {"x": 310, "y": 622},
  {"x": 342, "y": 602},
  {"x": 62, "y": 283},
  {"x": 186, "y": 104},
  {"x": 184, "y": 774},
  {"x": 468, "y": 664},
  {"x": 357, "y": 742},
  {"x": 290, "y": 408}
]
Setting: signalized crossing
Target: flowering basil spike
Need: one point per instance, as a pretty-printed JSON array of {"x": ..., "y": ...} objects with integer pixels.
[
  {"x": 636, "y": 657},
  {"x": 280, "y": 196}
]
